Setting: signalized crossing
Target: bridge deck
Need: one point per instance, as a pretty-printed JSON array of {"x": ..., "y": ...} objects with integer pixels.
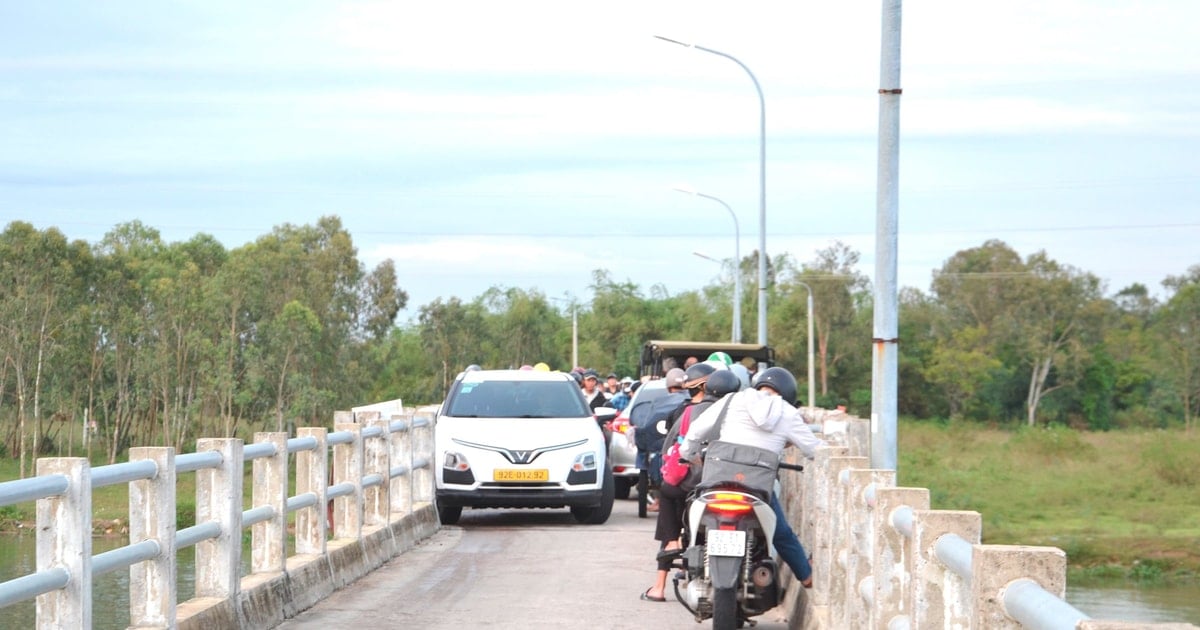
[{"x": 515, "y": 569}]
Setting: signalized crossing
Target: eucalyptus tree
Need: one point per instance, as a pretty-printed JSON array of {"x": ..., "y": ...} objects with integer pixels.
[
  {"x": 521, "y": 326},
  {"x": 838, "y": 294},
  {"x": 39, "y": 290},
  {"x": 449, "y": 334},
  {"x": 1178, "y": 328},
  {"x": 125, "y": 257}
]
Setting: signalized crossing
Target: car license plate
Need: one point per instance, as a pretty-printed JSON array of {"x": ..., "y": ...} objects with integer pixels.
[
  {"x": 521, "y": 474},
  {"x": 723, "y": 542}
]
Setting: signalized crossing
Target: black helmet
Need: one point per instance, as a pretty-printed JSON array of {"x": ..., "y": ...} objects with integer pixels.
[
  {"x": 722, "y": 382},
  {"x": 780, "y": 380},
  {"x": 696, "y": 375}
]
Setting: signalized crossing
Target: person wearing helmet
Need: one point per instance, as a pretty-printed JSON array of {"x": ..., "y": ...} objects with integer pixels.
[
  {"x": 722, "y": 357},
  {"x": 672, "y": 497},
  {"x": 541, "y": 367},
  {"x": 764, "y": 417}
]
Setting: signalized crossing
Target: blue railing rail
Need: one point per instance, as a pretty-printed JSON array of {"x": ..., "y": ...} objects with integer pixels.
[{"x": 371, "y": 469}]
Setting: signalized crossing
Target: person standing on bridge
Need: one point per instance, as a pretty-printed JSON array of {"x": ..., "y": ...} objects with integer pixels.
[{"x": 764, "y": 417}]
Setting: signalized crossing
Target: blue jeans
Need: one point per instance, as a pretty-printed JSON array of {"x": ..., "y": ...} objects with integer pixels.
[{"x": 788, "y": 544}]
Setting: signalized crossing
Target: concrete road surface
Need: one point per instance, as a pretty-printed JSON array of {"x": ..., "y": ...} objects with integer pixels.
[{"x": 516, "y": 569}]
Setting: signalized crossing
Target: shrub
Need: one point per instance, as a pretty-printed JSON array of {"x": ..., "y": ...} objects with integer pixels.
[
  {"x": 1054, "y": 442},
  {"x": 1173, "y": 458}
]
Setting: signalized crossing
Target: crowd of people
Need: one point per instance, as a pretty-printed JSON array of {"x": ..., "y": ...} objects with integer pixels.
[
  {"x": 721, "y": 407},
  {"x": 723, "y": 402}
]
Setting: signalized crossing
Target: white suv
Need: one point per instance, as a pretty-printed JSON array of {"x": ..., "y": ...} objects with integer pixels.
[{"x": 520, "y": 439}]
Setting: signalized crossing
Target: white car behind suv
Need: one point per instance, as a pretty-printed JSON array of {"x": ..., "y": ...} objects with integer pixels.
[{"x": 520, "y": 439}]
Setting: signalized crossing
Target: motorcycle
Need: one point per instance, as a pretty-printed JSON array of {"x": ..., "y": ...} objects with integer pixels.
[{"x": 728, "y": 566}]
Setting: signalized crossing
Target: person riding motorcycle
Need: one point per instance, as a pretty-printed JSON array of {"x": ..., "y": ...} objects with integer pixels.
[{"x": 763, "y": 417}]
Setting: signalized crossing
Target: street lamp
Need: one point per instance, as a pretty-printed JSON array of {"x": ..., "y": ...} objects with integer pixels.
[
  {"x": 737, "y": 264},
  {"x": 737, "y": 324},
  {"x": 762, "y": 186},
  {"x": 811, "y": 390}
]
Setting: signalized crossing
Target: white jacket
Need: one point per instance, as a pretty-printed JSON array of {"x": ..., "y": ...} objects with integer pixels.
[{"x": 755, "y": 418}]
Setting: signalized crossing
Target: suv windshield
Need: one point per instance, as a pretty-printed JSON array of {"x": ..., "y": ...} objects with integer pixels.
[{"x": 517, "y": 399}]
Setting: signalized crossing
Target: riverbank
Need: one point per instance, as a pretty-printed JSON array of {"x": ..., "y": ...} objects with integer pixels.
[{"x": 1124, "y": 505}]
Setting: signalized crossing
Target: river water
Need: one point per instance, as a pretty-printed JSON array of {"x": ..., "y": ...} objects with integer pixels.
[{"x": 110, "y": 608}]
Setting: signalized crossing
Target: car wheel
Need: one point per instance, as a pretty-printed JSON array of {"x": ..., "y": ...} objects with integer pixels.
[
  {"x": 598, "y": 514},
  {"x": 624, "y": 485},
  {"x": 449, "y": 515}
]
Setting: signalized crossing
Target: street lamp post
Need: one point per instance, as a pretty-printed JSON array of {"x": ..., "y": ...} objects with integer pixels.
[
  {"x": 811, "y": 388},
  {"x": 762, "y": 186},
  {"x": 735, "y": 336},
  {"x": 737, "y": 264}
]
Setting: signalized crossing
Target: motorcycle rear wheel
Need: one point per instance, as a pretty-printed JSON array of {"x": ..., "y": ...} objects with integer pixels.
[{"x": 725, "y": 609}]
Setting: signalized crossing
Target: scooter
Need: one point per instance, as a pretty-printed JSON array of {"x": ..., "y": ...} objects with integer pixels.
[{"x": 730, "y": 569}]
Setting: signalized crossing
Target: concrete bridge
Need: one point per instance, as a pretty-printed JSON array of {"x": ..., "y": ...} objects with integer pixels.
[{"x": 882, "y": 559}]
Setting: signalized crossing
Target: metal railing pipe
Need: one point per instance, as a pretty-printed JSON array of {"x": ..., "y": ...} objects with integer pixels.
[
  {"x": 114, "y": 474},
  {"x": 32, "y": 489},
  {"x": 399, "y": 471},
  {"x": 396, "y": 426},
  {"x": 30, "y": 586},
  {"x": 192, "y": 462},
  {"x": 955, "y": 553},
  {"x": 902, "y": 521},
  {"x": 124, "y": 557},
  {"x": 255, "y": 451},
  {"x": 339, "y": 490},
  {"x": 295, "y": 445},
  {"x": 1038, "y": 609},
  {"x": 196, "y": 533},
  {"x": 300, "y": 502},
  {"x": 372, "y": 480},
  {"x": 339, "y": 437},
  {"x": 257, "y": 515}
]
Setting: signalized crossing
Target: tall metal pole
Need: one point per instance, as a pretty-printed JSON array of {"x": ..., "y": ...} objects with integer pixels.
[
  {"x": 737, "y": 264},
  {"x": 574, "y": 336},
  {"x": 812, "y": 395},
  {"x": 886, "y": 342},
  {"x": 762, "y": 186}
]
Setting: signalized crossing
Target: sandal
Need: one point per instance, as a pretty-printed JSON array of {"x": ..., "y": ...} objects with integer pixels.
[{"x": 646, "y": 597}]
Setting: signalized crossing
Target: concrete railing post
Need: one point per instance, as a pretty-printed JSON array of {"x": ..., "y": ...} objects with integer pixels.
[
  {"x": 152, "y": 595},
  {"x": 377, "y": 451},
  {"x": 837, "y": 592},
  {"x": 423, "y": 450},
  {"x": 939, "y": 598},
  {"x": 821, "y": 516},
  {"x": 993, "y": 567},
  {"x": 348, "y": 468},
  {"x": 893, "y": 555},
  {"x": 64, "y": 540},
  {"x": 312, "y": 476},
  {"x": 402, "y": 455},
  {"x": 268, "y": 547},
  {"x": 219, "y": 499},
  {"x": 860, "y": 571}
]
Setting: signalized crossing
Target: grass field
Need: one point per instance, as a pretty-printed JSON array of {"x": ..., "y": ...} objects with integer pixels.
[{"x": 1122, "y": 504}]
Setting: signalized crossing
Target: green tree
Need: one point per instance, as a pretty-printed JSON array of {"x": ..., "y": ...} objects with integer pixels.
[{"x": 1178, "y": 328}]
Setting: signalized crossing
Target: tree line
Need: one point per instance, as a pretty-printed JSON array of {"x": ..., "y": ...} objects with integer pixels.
[{"x": 132, "y": 341}]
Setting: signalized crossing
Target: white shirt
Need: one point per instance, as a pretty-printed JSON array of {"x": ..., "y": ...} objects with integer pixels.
[{"x": 755, "y": 418}]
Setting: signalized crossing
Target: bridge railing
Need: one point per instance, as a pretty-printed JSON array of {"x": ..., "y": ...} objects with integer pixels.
[
  {"x": 380, "y": 484},
  {"x": 882, "y": 559}
]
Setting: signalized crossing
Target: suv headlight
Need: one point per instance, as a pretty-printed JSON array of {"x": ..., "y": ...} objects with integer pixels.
[
  {"x": 455, "y": 461},
  {"x": 584, "y": 461}
]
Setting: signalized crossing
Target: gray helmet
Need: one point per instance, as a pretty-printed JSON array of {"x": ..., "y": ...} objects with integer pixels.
[{"x": 722, "y": 382}]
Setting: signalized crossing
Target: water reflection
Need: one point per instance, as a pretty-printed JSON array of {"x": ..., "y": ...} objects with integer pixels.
[
  {"x": 1159, "y": 604},
  {"x": 110, "y": 593}
]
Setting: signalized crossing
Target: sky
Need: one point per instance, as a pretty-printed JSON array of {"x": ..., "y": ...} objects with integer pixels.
[{"x": 527, "y": 144}]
